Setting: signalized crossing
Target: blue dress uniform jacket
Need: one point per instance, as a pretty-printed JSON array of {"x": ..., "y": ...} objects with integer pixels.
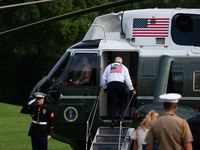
[{"x": 43, "y": 123}]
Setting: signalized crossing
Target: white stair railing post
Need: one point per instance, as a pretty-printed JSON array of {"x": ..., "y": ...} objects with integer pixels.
[
  {"x": 88, "y": 128},
  {"x": 120, "y": 132}
]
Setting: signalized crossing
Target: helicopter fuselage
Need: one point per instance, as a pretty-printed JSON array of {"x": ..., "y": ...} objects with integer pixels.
[{"x": 160, "y": 47}]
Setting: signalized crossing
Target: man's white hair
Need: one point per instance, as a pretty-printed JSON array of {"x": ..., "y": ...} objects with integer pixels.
[{"x": 118, "y": 59}]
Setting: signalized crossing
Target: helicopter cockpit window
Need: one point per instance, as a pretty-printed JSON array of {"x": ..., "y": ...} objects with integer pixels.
[
  {"x": 56, "y": 75},
  {"x": 57, "y": 72},
  {"x": 175, "y": 83},
  {"x": 196, "y": 85},
  {"x": 83, "y": 70},
  {"x": 51, "y": 91}
]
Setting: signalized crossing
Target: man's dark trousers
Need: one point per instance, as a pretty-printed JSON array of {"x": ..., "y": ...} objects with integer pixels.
[
  {"x": 39, "y": 144},
  {"x": 116, "y": 90}
]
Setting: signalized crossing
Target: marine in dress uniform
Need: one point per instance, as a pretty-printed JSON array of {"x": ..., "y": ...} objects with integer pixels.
[
  {"x": 42, "y": 125},
  {"x": 168, "y": 129},
  {"x": 113, "y": 81}
]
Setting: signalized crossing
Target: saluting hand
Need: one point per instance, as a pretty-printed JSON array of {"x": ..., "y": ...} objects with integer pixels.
[
  {"x": 48, "y": 136},
  {"x": 32, "y": 101}
]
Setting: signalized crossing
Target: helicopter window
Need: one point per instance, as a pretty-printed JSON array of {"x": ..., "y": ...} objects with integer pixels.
[
  {"x": 196, "y": 80},
  {"x": 175, "y": 83},
  {"x": 83, "y": 70},
  {"x": 57, "y": 72},
  {"x": 51, "y": 91},
  {"x": 183, "y": 23},
  {"x": 44, "y": 86}
]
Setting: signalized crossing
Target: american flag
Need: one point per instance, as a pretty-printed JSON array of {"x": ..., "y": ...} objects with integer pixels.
[
  {"x": 150, "y": 27},
  {"x": 116, "y": 69}
]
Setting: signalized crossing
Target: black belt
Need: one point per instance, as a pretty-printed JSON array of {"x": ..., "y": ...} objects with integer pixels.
[{"x": 115, "y": 82}]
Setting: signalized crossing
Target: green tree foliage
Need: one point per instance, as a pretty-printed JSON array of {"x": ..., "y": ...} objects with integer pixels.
[{"x": 26, "y": 55}]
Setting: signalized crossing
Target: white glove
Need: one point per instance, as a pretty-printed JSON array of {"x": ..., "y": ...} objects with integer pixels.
[
  {"x": 48, "y": 136},
  {"x": 32, "y": 101}
]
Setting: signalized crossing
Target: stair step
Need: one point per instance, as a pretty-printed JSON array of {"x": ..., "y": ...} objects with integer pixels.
[
  {"x": 104, "y": 146},
  {"x": 124, "y": 121},
  {"x": 112, "y": 131},
  {"x": 107, "y": 138}
]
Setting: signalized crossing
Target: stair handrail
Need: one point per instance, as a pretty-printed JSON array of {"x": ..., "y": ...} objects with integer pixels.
[
  {"x": 94, "y": 108},
  {"x": 120, "y": 131}
]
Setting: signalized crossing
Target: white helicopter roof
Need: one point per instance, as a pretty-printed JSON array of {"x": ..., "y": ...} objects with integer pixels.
[{"x": 146, "y": 30}]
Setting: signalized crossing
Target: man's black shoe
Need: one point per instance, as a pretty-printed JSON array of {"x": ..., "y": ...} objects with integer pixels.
[{"x": 112, "y": 125}]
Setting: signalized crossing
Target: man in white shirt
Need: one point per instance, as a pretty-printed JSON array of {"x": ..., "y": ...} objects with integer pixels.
[{"x": 113, "y": 81}]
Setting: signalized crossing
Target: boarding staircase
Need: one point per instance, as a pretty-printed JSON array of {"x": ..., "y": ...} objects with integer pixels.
[{"x": 107, "y": 138}]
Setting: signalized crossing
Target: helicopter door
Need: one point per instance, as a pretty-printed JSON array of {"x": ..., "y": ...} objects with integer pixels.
[
  {"x": 80, "y": 88},
  {"x": 130, "y": 60}
]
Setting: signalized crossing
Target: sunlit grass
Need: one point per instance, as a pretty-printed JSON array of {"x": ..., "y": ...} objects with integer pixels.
[{"x": 14, "y": 128}]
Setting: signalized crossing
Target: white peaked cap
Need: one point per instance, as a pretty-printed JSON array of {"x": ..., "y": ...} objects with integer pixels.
[
  {"x": 170, "y": 97},
  {"x": 40, "y": 94}
]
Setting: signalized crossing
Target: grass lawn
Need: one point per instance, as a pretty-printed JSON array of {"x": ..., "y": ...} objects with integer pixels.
[{"x": 14, "y": 128}]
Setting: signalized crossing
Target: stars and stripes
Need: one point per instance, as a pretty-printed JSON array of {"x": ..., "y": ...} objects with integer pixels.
[
  {"x": 116, "y": 69},
  {"x": 150, "y": 27}
]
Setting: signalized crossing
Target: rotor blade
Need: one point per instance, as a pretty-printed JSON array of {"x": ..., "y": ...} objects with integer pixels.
[
  {"x": 69, "y": 15},
  {"x": 23, "y": 4}
]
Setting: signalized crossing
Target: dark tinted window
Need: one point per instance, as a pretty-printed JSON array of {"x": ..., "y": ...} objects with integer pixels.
[
  {"x": 57, "y": 72},
  {"x": 175, "y": 82},
  {"x": 50, "y": 90},
  {"x": 83, "y": 70},
  {"x": 196, "y": 80},
  {"x": 185, "y": 29}
]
